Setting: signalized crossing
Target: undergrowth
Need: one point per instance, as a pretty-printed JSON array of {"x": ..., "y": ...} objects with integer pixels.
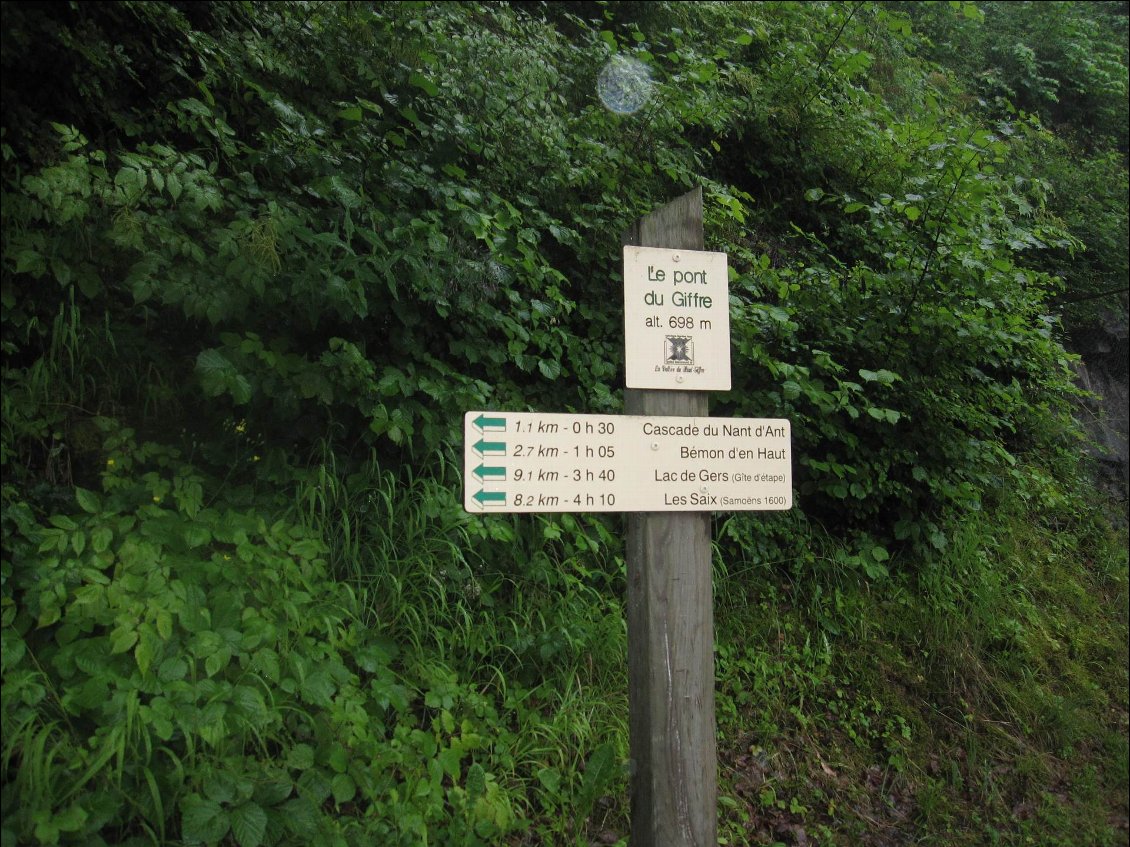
[
  {"x": 362, "y": 664},
  {"x": 981, "y": 701},
  {"x": 363, "y": 661}
]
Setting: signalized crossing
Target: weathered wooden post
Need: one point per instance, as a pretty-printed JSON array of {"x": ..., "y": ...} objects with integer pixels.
[{"x": 671, "y": 621}]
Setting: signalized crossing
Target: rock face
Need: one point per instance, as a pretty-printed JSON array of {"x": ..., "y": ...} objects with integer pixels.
[{"x": 1103, "y": 372}]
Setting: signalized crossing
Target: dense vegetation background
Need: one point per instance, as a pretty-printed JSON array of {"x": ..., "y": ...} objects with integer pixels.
[{"x": 258, "y": 259}]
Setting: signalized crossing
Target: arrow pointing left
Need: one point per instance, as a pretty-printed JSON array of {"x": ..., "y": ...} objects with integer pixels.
[
  {"x": 490, "y": 448},
  {"x": 485, "y": 472},
  {"x": 484, "y": 423},
  {"x": 485, "y": 497}
]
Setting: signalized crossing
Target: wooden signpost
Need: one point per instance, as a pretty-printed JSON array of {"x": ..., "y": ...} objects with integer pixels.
[
  {"x": 668, "y": 465},
  {"x": 673, "y": 771}
]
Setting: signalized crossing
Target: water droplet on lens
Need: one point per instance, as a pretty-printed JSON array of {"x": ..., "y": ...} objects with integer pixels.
[{"x": 624, "y": 85}]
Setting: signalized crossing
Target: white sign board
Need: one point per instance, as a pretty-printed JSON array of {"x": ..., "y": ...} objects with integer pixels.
[
  {"x": 676, "y": 319},
  {"x": 532, "y": 462}
]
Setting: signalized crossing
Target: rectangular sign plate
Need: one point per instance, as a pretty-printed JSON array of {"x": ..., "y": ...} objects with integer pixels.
[
  {"x": 676, "y": 319},
  {"x": 533, "y": 462}
]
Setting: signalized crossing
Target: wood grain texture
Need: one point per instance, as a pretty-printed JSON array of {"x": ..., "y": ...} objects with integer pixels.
[{"x": 671, "y": 621}]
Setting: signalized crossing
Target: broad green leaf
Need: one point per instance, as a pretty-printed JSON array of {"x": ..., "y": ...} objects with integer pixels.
[
  {"x": 203, "y": 820},
  {"x": 476, "y": 782},
  {"x": 63, "y": 522},
  {"x": 424, "y": 84},
  {"x": 266, "y": 662},
  {"x": 550, "y": 778},
  {"x": 874, "y": 569},
  {"x": 213, "y": 368},
  {"x": 131, "y": 180},
  {"x": 46, "y": 828},
  {"x": 100, "y": 538},
  {"x": 71, "y": 819},
  {"x": 173, "y": 669},
  {"x": 148, "y": 646},
  {"x": 450, "y": 759},
  {"x": 62, "y": 271},
  {"x": 122, "y": 639},
  {"x": 191, "y": 104},
  {"x": 220, "y": 786},
  {"x": 240, "y": 389},
  {"x": 300, "y": 757},
  {"x": 248, "y": 824},
  {"x": 314, "y": 785},
  {"x": 344, "y": 788},
  {"x": 30, "y": 261},
  {"x": 250, "y": 701},
  {"x": 274, "y": 789},
  {"x": 300, "y": 815},
  {"x": 196, "y": 536},
  {"x": 12, "y": 649},
  {"x": 319, "y": 688},
  {"x": 599, "y": 772},
  {"x": 216, "y": 661}
]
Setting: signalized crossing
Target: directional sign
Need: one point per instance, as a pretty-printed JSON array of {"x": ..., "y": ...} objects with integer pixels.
[
  {"x": 536, "y": 462},
  {"x": 676, "y": 319}
]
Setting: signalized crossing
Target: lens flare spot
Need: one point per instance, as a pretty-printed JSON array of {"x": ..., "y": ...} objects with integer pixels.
[{"x": 624, "y": 85}]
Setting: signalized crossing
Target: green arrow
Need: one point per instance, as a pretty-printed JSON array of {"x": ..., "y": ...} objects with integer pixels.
[
  {"x": 485, "y": 497},
  {"x": 484, "y": 423},
  {"x": 492, "y": 447},
  {"x": 482, "y": 472}
]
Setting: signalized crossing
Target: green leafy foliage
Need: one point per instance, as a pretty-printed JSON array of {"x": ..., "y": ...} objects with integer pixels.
[
  {"x": 259, "y": 258},
  {"x": 1068, "y": 66}
]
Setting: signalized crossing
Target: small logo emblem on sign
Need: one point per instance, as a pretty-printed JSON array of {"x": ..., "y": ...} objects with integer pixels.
[{"x": 678, "y": 350}]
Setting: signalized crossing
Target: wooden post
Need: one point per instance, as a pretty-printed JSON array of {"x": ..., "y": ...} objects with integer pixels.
[{"x": 674, "y": 781}]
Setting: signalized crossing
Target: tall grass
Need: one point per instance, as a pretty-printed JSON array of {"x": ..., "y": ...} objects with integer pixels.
[
  {"x": 524, "y": 611},
  {"x": 979, "y": 698}
]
